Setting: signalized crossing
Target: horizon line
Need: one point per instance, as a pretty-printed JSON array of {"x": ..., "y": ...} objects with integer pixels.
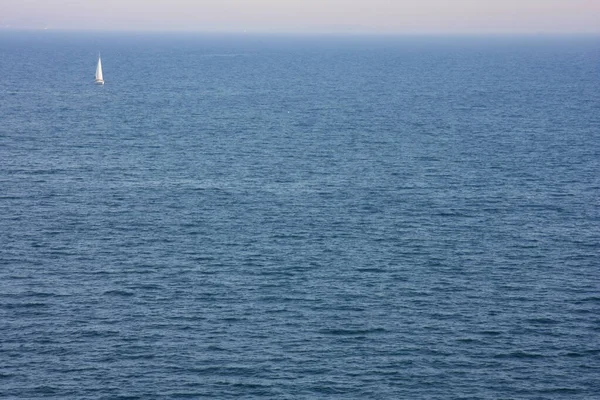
[{"x": 301, "y": 33}]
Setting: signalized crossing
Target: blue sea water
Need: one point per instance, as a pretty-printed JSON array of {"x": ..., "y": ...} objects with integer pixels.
[{"x": 299, "y": 217}]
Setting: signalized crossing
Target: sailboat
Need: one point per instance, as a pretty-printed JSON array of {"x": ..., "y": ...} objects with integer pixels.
[{"x": 99, "y": 80}]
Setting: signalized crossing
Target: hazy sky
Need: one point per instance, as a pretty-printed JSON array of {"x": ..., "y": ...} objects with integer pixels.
[{"x": 374, "y": 16}]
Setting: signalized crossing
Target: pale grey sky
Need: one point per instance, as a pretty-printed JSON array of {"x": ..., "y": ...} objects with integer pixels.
[{"x": 353, "y": 16}]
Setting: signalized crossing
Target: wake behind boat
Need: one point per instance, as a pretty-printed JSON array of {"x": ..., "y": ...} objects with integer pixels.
[{"x": 99, "y": 79}]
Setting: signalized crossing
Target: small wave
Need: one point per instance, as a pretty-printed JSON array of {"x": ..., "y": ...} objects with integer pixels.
[
  {"x": 213, "y": 347},
  {"x": 490, "y": 333},
  {"x": 330, "y": 390},
  {"x": 575, "y": 354},
  {"x": 455, "y": 214},
  {"x": 583, "y": 353},
  {"x": 150, "y": 286},
  {"x": 543, "y": 321},
  {"x": 232, "y": 319},
  {"x": 185, "y": 395},
  {"x": 40, "y": 294},
  {"x": 12, "y": 306},
  {"x": 562, "y": 390},
  {"x": 123, "y": 293},
  {"x": 519, "y": 355},
  {"x": 372, "y": 269},
  {"x": 352, "y": 332},
  {"x": 46, "y": 390},
  {"x": 591, "y": 299},
  {"x": 98, "y": 334},
  {"x": 467, "y": 340}
]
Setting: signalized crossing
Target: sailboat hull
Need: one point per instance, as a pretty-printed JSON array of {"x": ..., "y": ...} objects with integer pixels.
[{"x": 99, "y": 82}]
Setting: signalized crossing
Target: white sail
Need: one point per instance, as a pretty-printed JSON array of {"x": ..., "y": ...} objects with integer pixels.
[{"x": 99, "y": 78}]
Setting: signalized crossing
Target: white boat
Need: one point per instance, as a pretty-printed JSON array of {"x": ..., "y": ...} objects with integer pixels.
[{"x": 99, "y": 80}]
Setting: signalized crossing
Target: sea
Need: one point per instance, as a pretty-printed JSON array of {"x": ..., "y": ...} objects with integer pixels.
[{"x": 299, "y": 217}]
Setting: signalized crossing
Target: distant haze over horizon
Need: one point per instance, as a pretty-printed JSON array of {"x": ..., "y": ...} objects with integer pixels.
[{"x": 308, "y": 16}]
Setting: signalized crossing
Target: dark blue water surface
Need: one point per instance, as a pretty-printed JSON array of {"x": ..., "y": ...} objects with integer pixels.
[{"x": 298, "y": 218}]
